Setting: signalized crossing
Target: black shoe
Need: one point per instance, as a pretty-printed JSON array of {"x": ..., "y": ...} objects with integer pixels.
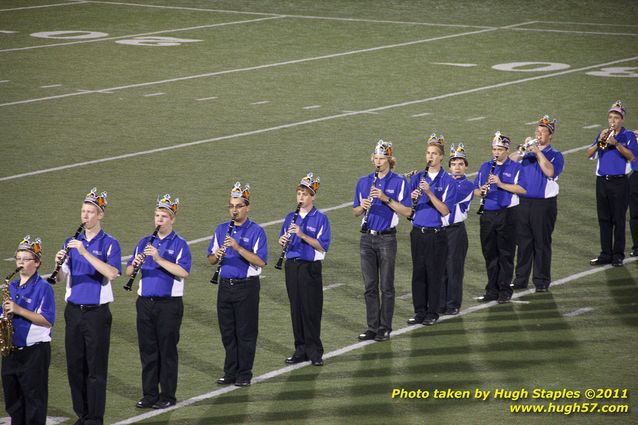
[
  {"x": 225, "y": 380},
  {"x": 598, "y": 261},
  {"x": 617, "y": 262},
  {"x": 416, "y": 320},
  {"x": 242, "y": 383},
  {"x": 487, "y": 298},
  {"x": 144, "y": 404},
  {"x": 382, "y": 336},
  {"x": 367, "y": 336},
  {"x": 317, "y": 362},
  {"x": 452, "y": 311},
  {"x": 541, "y": 289},
  {"x": 429, "y": 321},
  {"x": 633, "y": 253},
  {"x": 163, "y": 404},
  {"x": 295, "y": 359},
  {"x": 518, "y": 286},
  {"x": 504, "y": 299}
]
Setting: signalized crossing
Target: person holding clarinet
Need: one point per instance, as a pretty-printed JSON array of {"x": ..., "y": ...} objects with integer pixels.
[
  {"x": 164, "y": 260},
  {"x": 240, "y": 247},
  {"x": 378, "y": 243},
  {"x": 90, "y": 262},
  {"x": 497, "y": 183},
  {"x": 307, "y": 240}
]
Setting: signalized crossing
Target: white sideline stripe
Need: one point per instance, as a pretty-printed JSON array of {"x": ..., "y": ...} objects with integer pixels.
[
  {"x": 50, "y": 420},
  {"x": 334, "y": 285},
  {"x": 329, "y": 18},
  {"x": 519, "y": 302},
  {"x": 154, "y": 94},
  {"x": 97, "y": 40},
  {"x": 8, "y": 32},
  {"x": 476, "y": 119},
  {"x": 312, "y": 107},
  {"x": 50, "y": 86},
  {"x": 575, "y": 32},
  {"x": 363, "y": 112},
  {"x": 519, "y": 25},
  {"x": 352, "y": 347},
  {"x": 589, "y": 23},
  {"x": 531, "y": 123},
  {"x": 312, "y": 121},
  {"x": 41, "y": 6},
  {"x": 578, "y": 149},
  {"x": 4, "y": 81},
  {"x": 253, "y": 68},
  {"x": 422, "y": 114},
  {"x": 207, "y": 98},
  {"x": 462, "y": 65},
  {"x": 404, "y": 296},
  {"x": 578, "y": 312},
  {"x": 261, "y": 102},
  {"x": 592, "y": 126}
]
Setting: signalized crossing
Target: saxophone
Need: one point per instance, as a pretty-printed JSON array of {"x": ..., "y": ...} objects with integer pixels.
[{"x": 6, "y": 324}]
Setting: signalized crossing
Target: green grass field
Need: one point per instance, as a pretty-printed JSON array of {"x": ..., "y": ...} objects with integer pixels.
[{"x": 265, "y": 91}]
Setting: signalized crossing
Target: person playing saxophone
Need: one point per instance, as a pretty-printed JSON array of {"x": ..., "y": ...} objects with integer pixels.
[{"x": 30, "y": 308}]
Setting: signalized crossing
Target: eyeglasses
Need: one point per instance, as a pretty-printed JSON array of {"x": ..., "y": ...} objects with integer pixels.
[
  {"x": 24, "y": 260},
  {"x": 236, "y": 207}
]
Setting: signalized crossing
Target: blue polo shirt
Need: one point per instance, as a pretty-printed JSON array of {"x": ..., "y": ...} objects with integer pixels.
[
  {"x": 464, "y": 195},
  {"x": 537, "y": 184},
  {"x": 156, "y": 281},
  {"x": 249, "y": 236},
  {"x": 37, "y": 296},
  {"x": 316, "y": 225},
  {"x": 84, "y": 284},
  {"x": 382, "y": 217},
  {"x": 497, "y": 198},
  {"x": 444, "y": 187},
  {"x": 610, "y": 161}
]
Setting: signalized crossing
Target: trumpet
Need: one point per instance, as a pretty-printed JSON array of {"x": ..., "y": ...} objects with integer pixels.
[
  {"x": 136, "y": 270},
  {"x": 602, "y": 144},
  {"x": 364, "y": 222},
  {"x": 419, "y": 192},
  {"x": 52, "y": 279},
  {"x": 524, "y": 147}
]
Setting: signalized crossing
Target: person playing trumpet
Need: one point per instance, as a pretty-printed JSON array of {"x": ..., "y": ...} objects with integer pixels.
[
  {"x": 243, "y": 253},
  {"x": 164, "y": 265},
  {"x": 614, "y": 149},
  {"x": 378, "y": 244},
  {"x": 541, "y": 164},
  {"x": 31, "y": 310}
]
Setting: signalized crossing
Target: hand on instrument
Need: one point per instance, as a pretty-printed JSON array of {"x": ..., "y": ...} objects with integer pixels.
[
  {"x": 220, "y": 252},
  {"x": 230, "y": 242},
  {"x": 10, "y": 308},
  {"x": 74, "y": 243},
  {"x": 484, "y": 189},
  {"x": 424, "y": 186},
  {"x": 377, "y": 193},
  {"x": 60, "y": 255},
  {"x": 138, "y": 260},
  {"x": 366, "y": 203},
  {"x": 415, "y": 194},
  {"x": 151, "y": 251},
  {"x": 494, "y": 179},
  {"x": 283, "y": 239},
  {"x": 294, "y": 229}
]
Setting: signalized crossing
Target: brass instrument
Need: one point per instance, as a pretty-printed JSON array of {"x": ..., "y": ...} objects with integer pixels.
[
  {"x": 602, "y": 144},
  {"x": 6, "y": 324},
  {"x": 524, "y": 147}
]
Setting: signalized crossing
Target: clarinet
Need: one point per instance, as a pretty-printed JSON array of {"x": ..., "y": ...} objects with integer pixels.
[
  {"x": 420, "y": 191},
  {"x": 52, "y": 279},
  {"x": 481, "y": 208},
  {"x": 364, "y": 222},
  {"x": 129, "y": 284},
  {"x": 285, "y": 247},
  {"x": 215, "y": 279}
]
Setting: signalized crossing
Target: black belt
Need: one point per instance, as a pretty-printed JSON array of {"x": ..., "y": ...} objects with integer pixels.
[
  {"x": 616, "y": 177},
  {"x": 234, "y": 281},
  {"x": 390, "y": 231},
  {"x": 32, "y": 345},
  {"x": 158, "y": 299},
  {"x": 452, "y": 226},
  {"x": 428, "y": 229},
  {"x": 87, "y": 307}
]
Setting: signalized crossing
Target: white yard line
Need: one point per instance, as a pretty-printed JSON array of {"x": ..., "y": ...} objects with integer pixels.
[
  {"x": 476, "y": 119},
  {"x": 334, "y": 285},
  {"x": 592, "y": 126},
  {"x": 261, "y": 102},
  {"x": 577, "y": 32},
  {"x": 312, "y": 121},
  {"x": 312, "y": 107},
  {"x": 154, "y": 94},
  {"x": 422, "y": 114},
  {"x": 41, "y": 6},
  {"x": 253, "y": 68},
  {"x": 461, "y": 65},
  {"x": 207, "y": 98},
  {"x": 97, "y": 40},
  {"x": 51, "y": 86},
  {"x": 606, "y": 24},
  {"x": 578, "y": 312},
  {"x": 352, "y": 347}
]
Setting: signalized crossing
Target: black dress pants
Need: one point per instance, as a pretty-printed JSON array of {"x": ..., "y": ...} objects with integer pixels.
[
  {"x": 305, "y": 292},
  {"x": 498, "y": 244},
  {"x": 25, "y": 380},
  {"x": 87, "y": 339},
  {"x": 612, "y": 199},
  {"x": 633, "y": 210},
  {"x": 158, "y": 322},
  {"x": 429, "y": 257},
  {"x": 457, "y": 245}
]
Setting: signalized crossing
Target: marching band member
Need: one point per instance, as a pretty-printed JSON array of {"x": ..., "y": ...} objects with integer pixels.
[
  {"x": 378, "y": 244},
  {"x": 31, "y": 310},
  {"x": 307, "y": 241},
  {"x": 433, "y": 193},
  {"x": 541, "y": 165},
  {"x": 497, "y": 182},
  {"x": 92, "y": 263},
  {"x": 633, "y": 204},
  {"x": 164, "y": 265},
  {"x": 457, "y": 244},
  {"x": 614, "y": 148},
  {"x": 243, "y": 252}
]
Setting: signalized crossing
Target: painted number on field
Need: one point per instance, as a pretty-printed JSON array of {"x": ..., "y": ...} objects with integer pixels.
[
  {"x": 531, "y": 66},
  {"x": 70, "y": 35},
  {"x": 156, "y": 41},
  {"x": 616, "y": 72}
]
